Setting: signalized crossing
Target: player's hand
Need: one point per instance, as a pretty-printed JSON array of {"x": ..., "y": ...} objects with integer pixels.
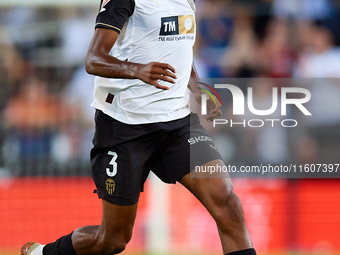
[
  {"x": 154, "y": 71},
  {"x": 214, "y": 110}
]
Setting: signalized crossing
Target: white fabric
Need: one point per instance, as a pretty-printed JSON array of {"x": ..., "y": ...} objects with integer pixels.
[{"x": 140, "y": 42}]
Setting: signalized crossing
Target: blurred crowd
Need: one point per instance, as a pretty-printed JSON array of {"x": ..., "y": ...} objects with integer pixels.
[{"x": 45, "y": 93}]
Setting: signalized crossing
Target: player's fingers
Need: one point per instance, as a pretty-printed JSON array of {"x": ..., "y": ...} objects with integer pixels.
[
  {"x": 214, "y": 112},
  {"x": 216, "y": 115},
  {"x": 213, "y": 105},
  {"x": 163, "y": 78},
  {"x": 216, "y": 109},
  {"x": 166, "y": 66},
  {"x": 165, "y": 73}
]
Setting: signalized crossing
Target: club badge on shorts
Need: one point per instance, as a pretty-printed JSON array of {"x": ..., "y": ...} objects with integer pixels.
[
  {"x": 192, "y": 4},
  {"x": 110, "y": 186}
]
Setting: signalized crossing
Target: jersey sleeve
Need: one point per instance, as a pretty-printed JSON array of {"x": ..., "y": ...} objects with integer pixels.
[{"x": 113, "y": 14}]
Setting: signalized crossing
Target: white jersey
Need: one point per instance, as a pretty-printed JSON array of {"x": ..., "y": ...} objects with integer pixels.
[{"x": 150, "y": 31}]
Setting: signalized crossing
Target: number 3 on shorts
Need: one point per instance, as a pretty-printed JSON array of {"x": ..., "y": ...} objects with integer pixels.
[{"x": 113, "y": 163}]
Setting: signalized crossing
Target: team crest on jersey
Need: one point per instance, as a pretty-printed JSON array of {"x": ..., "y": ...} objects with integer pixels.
[
  {"x": 105, "y": 2},
  {"x": 110, "y": 186}
]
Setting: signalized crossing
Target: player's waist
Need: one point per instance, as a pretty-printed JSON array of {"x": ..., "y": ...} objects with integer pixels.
[{"x": 144, "y": 115}]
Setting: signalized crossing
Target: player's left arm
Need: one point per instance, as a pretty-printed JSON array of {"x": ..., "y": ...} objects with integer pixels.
[{"x": 194, "y": 86}]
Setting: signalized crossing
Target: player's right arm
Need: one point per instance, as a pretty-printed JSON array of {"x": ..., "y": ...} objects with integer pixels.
[
  {"x": 109, "y": 23},
  {"x": 99, "y": 62}
]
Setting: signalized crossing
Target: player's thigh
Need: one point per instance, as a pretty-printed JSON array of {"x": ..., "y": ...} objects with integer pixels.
[{"x": 213, "y": 193}]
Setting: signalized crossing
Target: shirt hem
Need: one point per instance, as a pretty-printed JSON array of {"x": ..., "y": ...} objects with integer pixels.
[{"x": 161, "y": 118}]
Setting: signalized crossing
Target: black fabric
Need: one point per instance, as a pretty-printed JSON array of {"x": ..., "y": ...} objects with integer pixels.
[
  {"x": 113, "y": 14},
  {"x": 62, "y": 246},
  {"x": 243, "y": 252},
  {"x": 123, "y": 155}
]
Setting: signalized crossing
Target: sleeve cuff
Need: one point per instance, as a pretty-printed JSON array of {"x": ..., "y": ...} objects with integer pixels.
[{"x": 103, "y": 25}]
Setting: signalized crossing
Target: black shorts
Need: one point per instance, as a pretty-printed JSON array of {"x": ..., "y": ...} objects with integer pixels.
[{"x": 123, "y": 154}]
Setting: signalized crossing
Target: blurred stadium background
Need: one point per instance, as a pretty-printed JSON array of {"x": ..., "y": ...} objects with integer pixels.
[{"x": 46, "y": 127}]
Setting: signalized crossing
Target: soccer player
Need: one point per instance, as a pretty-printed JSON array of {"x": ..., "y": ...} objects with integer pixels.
[{"x": 141, "y": 54}]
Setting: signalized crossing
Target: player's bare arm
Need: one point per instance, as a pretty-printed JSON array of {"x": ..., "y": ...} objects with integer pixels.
[
  {"x": 194, "y": 85},
  {"x": 99, "y": 62}
]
